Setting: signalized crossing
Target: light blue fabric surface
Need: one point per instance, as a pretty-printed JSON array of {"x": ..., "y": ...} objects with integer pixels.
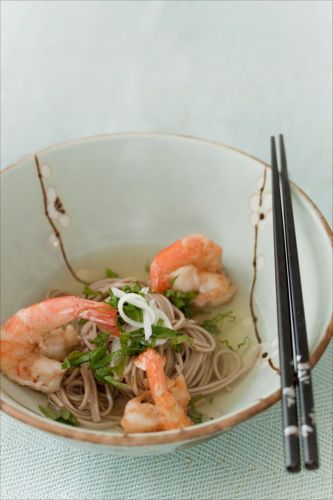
[
  {"x": 233, "y": 72},
  {"x": 243, "y": 463}
]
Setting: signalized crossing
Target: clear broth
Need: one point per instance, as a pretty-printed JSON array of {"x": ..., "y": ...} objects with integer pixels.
[{"x": 134, "y": 260}]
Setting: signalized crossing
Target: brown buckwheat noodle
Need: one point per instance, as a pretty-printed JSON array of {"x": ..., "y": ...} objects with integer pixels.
[{"x": 206, "y": 367}]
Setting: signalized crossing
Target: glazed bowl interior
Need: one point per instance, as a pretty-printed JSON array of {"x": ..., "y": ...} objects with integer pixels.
[{"x": 115, "y": 200}]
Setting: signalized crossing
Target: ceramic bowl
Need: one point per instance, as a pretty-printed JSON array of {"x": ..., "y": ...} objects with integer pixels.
[{"x": 115, "y": 199}]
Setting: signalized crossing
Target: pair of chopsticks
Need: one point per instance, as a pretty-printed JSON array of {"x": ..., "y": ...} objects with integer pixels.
[{"x": 293, "y": 345}]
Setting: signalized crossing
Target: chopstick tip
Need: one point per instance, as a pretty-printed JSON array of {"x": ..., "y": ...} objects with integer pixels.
[
  {"x": 295, "y": 467},
  {"x": 312, "y": 465}
]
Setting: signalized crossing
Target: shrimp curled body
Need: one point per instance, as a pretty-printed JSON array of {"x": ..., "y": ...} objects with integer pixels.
[
  {"x": 192, "y": 264},
  {"x": 33, "y": 344},
  {"x": 170, "y": 397}
]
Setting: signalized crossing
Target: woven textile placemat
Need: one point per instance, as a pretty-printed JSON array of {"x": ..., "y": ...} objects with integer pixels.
[{"x": 244, "y": 463}]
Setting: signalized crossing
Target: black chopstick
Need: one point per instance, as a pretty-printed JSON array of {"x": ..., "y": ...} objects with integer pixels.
[
  {"x": 289, "y": 408},
  {"x": 293, "y": 345},
  {"x": 300, "y": 343}
]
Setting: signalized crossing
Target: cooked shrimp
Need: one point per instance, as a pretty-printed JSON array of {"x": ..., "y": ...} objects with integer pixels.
[
  {"x": 194, "y": 249},
  {"x": 32, "y": 342},
  {"x": 172, "y": 415},
  {"x": 179, "y": 389},
  {"x": 171, "y": 398},
  {"x": 214, "y": 288},
  {"x": 139, "y": 416},
  {"x": 192, "y": 264}
]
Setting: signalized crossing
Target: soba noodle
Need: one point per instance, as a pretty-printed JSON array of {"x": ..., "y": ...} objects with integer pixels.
[{"x": 206, "y": 367}]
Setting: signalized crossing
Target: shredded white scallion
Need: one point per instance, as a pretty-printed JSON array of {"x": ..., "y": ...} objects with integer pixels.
[
  {"x": 117, "y": 292},
  {"x": 141, "y": 303},
  {"x": 161, "y": 315},
  {"x": 147, "y": 325},
  {"x": 151, "y": 313}
]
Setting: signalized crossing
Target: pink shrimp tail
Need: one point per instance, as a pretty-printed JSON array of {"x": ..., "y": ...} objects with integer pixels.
[
  {"x": 100, "y": 312},
  {"x": 149, "y": 359},
  {"x": 153, "y": 363}
]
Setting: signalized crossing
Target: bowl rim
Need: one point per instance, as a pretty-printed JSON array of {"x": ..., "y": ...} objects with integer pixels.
[{"x": 208, "y": 429}]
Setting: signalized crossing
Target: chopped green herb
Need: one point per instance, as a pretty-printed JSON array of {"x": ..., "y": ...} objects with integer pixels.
[
  {"x": 163, "y": 332},
  {"x": 104, "y": 375},
  {"x": 100, "y": 339},
  {"x": 181, "y": 300},
  {"x": 130, "y": 310},
  {"x": 174, "y": 337},
  {"x": 62, "y": 415},
  {"x": 75, "y": 358},
  {"x": 233, "y": 349},
  {"x": 190, "y": 311},
  {"x": 88, "y": 292},
  {"x": 132, "y": 288},
  {"x": 109, "y": 273},
  {"x": 134, "y": 342},
  {"x": 112, "y": 300},
  {"x": 107, "y": 366},
  {"x": 128, "y": 288},
  {"x": 193, "y": 413},
  {"x": 133, "y": 312},
  {"x": 100, "y": 360},
  {"x": 97, "y": 355},
  {"x": 179, "y": 339},
  {"x": 212, "y": 324},
  {"x": 119, "y": 367},
  {"x": 147, "y": 267},
  {"x": 106, "y": 360}
]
